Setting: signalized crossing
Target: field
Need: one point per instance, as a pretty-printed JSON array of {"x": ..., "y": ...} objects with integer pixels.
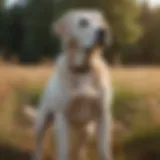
[
  {"x": 144, "y": 79},
  {"x": 16, "y": 133}
]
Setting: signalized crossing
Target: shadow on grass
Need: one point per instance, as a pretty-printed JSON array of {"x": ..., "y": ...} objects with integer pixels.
[{"x": 8, "y": 152}]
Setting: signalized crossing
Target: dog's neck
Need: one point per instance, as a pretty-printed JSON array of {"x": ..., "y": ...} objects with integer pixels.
[
  {"x": 66, "y": 75},
  {"x": 76, "y": 60},
  {"x": 87, "y": 63}
]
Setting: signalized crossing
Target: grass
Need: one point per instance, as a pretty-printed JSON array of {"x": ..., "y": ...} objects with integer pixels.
[
  {"x": 143, "y": 80},
  {"x": 143, "y": 145},
  {"x": 136, "y": 91}
]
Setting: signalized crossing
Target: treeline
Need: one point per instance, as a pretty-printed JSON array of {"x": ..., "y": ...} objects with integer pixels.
[{"x": 26, "y": 33}]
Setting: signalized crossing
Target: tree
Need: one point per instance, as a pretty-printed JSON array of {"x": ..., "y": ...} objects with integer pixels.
[
  {"x": 1, "y": 21},
  {"x": 122, "y": 15},
  {"x": 150, "y": 47},
  {"x": 37, "y": 38},
  {"x": 32, "y": 33}
]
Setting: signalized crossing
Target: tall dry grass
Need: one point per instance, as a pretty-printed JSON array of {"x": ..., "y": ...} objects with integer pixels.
[
  {"x": 139, "y": 79},
  {"x": 142, "y": 80}
]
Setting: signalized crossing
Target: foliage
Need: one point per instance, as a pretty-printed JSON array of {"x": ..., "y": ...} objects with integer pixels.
[
  {"x": 143, "y": 145},
  {"x": 28, "y": 30},
  {"x": 146, "y": 51},
  {"x": 125, "y": 106},
  {"x": 123, "y": 21},
  {"x": 33, "y": 95},
  {"x": 151, "y": 38}
]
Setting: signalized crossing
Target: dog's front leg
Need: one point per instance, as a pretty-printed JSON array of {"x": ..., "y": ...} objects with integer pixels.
[
  {"x": 104, "y": 137},
  {"x": 104, "y": 128},
  {"x": 62, "y": 136},
  {"x": 43, "y": 120}
]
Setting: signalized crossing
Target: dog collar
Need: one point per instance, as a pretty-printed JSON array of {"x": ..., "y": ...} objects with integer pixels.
[{"x": 80, "y": 70}]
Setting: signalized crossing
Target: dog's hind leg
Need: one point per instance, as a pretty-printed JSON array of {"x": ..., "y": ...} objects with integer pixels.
[{"x": 44, "y": 117}]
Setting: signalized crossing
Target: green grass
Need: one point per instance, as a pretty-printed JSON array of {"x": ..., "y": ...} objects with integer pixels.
[{"x": 144, "y": 144}]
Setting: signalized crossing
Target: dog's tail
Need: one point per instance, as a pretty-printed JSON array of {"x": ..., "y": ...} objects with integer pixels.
[{"x": 30, "y": 112}]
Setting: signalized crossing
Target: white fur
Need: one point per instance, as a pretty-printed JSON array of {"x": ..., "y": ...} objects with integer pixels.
[
  {"x": 67, "y": 28},
  {"x": 60, "y": 90}
]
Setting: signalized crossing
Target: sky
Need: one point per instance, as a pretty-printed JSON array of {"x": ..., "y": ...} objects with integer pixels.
[
  {"x": 11, "y": 2},
  {"x": 154, "y": 2}
]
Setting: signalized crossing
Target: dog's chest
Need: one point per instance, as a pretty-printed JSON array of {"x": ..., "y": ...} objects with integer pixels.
[
  {"x": 84, "y": 85},
  {"x": 84, "y": 105}
]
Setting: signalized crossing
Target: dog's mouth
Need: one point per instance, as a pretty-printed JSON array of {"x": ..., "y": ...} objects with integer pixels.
[{"x": 100, "y": 40}]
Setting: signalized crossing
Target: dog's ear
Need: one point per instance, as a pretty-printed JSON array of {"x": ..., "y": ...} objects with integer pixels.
[{"x": 60, "y": 27}]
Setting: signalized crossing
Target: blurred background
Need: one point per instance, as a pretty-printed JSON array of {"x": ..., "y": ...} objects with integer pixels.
[{"x": 27, "y": 54}]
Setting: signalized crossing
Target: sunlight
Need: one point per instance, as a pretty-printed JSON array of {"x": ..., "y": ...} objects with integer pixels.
[
  {"x": 22, "y": 2},
  {"x": 154, "y": 2}
]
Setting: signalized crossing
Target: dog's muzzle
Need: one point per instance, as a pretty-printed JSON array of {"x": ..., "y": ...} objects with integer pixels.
[
  {"x": 101, "y": 37},
  {"x": 100, "y": 40}
]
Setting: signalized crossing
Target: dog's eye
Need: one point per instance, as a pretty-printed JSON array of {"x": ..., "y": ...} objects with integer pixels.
[{"x": 83, "y": 23}]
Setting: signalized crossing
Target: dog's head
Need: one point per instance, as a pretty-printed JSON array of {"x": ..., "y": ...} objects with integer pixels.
[{"x": 82, "y": 31}]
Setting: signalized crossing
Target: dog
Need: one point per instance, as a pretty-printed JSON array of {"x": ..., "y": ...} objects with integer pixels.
[{"x": 79, "y": 93}]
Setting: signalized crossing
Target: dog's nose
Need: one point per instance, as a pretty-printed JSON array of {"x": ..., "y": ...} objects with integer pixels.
[{"x": 101, "y": 36}]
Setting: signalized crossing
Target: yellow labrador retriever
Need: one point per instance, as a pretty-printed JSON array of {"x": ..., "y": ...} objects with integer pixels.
[{"x": 79, "y": 92}]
